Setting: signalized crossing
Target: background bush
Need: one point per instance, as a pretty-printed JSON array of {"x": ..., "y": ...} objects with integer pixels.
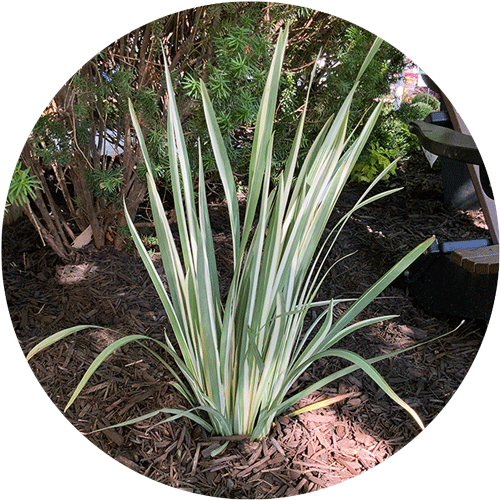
[
  {"x": 429, "y": 99},
  {"x": 83, "y": 150},
  {"x": 392, "y": 132}
]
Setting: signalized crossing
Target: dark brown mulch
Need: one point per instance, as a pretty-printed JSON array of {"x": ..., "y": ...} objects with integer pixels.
[{"x": 301, "y": 454}]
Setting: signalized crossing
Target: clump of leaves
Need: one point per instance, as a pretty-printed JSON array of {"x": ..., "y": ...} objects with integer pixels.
[
  {"x": 392, "y": 133},
  {"x": 428, "y": 99},
  {"x": 243, "y": 56},
  {"x": 105, "y": 183},
  {"x": 22, "y": 186},
  {"x": 379, "y": 159},
  {"x": 236, "y": 360}
]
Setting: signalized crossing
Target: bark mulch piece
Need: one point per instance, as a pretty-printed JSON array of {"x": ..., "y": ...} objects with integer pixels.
[{"x": 304, "y": 453}]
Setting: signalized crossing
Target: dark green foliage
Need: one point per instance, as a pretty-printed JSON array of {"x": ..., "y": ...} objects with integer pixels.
[
  {"x": 417, "y": 111},
  {"x": 392, "y": 131},
  {"x": 341, "y": 68},
  {"x": 85, "y": 136},
  {"x": 51, "y": 140},
  {"x": 236, "y": 48},
  {"x": 341, "y": 57},
  {"x": 147, "y": 105},
  {"x": 235, "y": 78},
  {"x": 106, "y": 184}
]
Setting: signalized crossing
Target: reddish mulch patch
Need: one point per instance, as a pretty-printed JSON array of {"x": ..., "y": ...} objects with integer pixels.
[{"x": 301, "y": 454}]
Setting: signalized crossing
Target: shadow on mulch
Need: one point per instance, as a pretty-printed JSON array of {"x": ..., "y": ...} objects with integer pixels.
[{"x": 301, "y": 454}]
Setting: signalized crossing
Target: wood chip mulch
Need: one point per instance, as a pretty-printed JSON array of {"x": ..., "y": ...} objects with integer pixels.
[{"x": 304, "y": 453}]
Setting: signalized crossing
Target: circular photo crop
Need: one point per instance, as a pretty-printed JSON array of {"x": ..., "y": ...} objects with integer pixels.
[{"x": 250, "y": 250}]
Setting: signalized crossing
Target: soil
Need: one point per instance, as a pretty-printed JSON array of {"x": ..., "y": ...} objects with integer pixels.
[{"x": 304, "y": 453}]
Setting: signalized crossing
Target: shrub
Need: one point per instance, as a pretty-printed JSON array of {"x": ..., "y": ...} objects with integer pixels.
[
  {"x": 392, "y": 132},
  {"x": 409, "y": 112},
  {"x": 429, "y": 99},
  {"x": 236, "y": 362}
]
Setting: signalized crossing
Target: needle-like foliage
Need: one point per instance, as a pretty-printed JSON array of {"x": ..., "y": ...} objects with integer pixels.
[{"x": 236, "y": 361}]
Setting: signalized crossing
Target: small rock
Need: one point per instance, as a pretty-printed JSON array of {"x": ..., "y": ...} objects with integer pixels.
[
  {"x": 354, "y": 402},
  {"x": 413, "y": 332}
]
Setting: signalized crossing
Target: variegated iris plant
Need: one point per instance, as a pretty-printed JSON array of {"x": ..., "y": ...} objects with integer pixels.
[{"x": 236, "y": 361}]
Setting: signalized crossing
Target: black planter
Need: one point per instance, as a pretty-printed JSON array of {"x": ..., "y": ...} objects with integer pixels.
[{"x": 458, "y": 189}]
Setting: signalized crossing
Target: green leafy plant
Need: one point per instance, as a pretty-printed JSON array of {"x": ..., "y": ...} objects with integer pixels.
[
  {"x": 392, "y": 131},
  {"x": 378, "y": 161},
  {"x": 22, "y": 186},
  {"x": 429, "y": 99},
  {"x": 236, "y": 361},
  {"x": 416, "y": 111},
  {"x": 234, "y": 79},
  {"x": 106, "y": 183}
]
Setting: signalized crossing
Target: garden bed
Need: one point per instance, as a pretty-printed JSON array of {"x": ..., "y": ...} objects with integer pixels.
[{"x": 301, "y": 454}]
